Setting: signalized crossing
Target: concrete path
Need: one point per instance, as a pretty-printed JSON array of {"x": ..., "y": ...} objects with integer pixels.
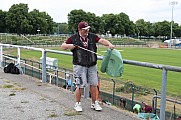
[{"x": 26, "y": 98}]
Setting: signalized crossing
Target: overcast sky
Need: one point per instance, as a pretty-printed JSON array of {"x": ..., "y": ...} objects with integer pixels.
[{"x": 149, "y": 10}]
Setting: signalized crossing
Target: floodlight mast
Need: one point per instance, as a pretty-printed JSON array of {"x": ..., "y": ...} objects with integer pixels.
[{"x": 171, "y": 31}]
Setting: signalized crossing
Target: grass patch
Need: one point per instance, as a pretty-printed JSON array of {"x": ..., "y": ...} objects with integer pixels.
[
  {"x": 8, "y": 86},
  {"x": 128, "y": 87},
  {"x": 42, "y": 99},
  {"x": 12, "y": 94},
  {"x": 71, "y": 113},
  {"x": 7, "y": 81},
  {"x": 24, "y": 101},
  {"x": 19, "y": 88},
  {"x": 52, "y": 101},
  {"x": 16, "y": 84},
  {"x": 52, "y": 115}
]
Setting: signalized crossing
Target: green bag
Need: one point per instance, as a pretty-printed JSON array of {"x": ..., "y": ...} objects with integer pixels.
[{"x": 112, "y": 63}]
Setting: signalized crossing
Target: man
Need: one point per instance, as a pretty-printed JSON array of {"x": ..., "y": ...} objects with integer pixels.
[
  {"x": 84, "y": 62},
  {"x": 122, "y": 102},
  {"x": 137, "y": 108},
  {"x": 146, "y": 108}
]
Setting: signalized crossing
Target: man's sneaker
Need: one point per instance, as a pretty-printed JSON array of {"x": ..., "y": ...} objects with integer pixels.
[
  {"x": 96, "y": 106},
  {"x": 78, "y": 107}
]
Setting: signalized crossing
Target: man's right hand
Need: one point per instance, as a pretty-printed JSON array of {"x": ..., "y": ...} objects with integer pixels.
[{"x": 76, "y": 46}]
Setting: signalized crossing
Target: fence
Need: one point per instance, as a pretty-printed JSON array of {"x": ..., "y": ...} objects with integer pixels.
[{"x": 164, "y": 69}]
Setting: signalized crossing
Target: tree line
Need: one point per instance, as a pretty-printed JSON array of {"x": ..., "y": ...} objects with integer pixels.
[{"x": 18, "y": 20}]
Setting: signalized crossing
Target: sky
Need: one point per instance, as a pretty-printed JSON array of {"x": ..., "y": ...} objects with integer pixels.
[{"x": 149, "y": 10}]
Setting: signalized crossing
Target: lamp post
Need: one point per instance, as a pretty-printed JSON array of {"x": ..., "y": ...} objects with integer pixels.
[
  {"x": 108, "y": 33},
  {"x": 38, "y": 31},
  {"x": 171, "y": 3}
]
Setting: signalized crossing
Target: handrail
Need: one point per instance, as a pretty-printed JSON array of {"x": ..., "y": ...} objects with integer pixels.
[
  {"x": 131, "y": 62},
  {"x": 164, "y": 68},
  {"x": 152, "y": 65},
  {"x": 168, "y": 99}
]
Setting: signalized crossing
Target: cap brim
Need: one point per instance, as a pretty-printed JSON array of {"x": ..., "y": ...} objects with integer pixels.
[{"x": 86, "y": 28}]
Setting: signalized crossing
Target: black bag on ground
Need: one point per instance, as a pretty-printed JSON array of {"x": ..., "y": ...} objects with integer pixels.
[
  {"x": 15, "y": 70},
  {"x": 8, "y": 68}
]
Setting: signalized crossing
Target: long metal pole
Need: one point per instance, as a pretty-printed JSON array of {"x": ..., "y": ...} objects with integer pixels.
[
  {"x": 43, "y": 66},
  {"x": 171, "y": 31},
  {"x": 132, "y": 97},
  {"x": 89, "y": 50},
  {"x": 113, "y": 91},
  {"x": 18, "y": 56},
  {"x": 163, "y": 94}
]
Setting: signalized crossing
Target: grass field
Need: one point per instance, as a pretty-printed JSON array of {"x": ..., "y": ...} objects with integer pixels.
[{"x": 147, "y": 77}]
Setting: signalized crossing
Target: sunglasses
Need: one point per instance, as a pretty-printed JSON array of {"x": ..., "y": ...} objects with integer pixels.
[{"x": 85, "y": 29}]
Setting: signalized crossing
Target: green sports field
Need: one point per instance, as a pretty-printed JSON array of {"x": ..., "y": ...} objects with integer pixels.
[{"x": 147, "y": 77}]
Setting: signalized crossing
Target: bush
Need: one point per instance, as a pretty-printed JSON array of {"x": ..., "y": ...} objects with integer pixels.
[{"x": 127, "y": 88}]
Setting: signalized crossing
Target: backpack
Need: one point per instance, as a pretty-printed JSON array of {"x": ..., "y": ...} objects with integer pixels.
[
  {"x": 7, "y": 69},
  {"x": 15, "y": 70}
]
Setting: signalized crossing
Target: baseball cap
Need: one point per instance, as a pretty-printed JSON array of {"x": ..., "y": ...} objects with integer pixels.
[{"x": 83, "y": 25}]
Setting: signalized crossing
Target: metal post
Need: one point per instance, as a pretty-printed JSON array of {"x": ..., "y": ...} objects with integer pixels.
[
  {"x": 65, "y": 72},
  {"x": 43, "y": 66},
  {"x": 155, "y": 103},
  {"x": 132, "y": 96},
  {"x": 18, "y": 56},
  {"x": 163, "y": 95},
  {"x": 171, "y": 42},
  {"x": 25, "y": 67},
  {"x": 113, "y": 91},
  {"x": 56, "y": 72},
  {"x": 1, "y": 56},
  {"x": 32, "y": 71},
  {"x": 174, "y": 115},
  {"x": 39, "y": 70},
  {"x": 171, "y": 29}
]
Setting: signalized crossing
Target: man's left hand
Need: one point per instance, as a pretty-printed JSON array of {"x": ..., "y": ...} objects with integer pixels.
[{"x": 111, "y": 46}]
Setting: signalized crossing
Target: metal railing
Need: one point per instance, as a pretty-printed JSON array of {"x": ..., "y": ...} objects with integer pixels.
[
  {"x": 164, "y": 68},
  {"x": 154, "y": 104}
]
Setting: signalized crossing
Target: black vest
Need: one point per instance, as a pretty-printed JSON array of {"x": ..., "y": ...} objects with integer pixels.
[{"x": 83, "y": 57}]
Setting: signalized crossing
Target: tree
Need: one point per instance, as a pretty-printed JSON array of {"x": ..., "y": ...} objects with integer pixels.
[
  {"x": 118, "y": 24},
  {"x": 176, "y": 30},
  {"x": 132, "y": 29},
  {"x": 40, "y": 21},
  {"x": 94, "y": 22},
  {"x": 109, "y": 21},
  {"x": 16, "y": 19},
  {"x": 162, "y": 28},
  {"x": 2, "y": 21},
  {"x": 142, "y": 27},
  {"x": 19, "y": 21},
  {"x": 125, "y": 22},
  {"x": 74, "y": 17},
  {"x": 61, "y": 28}
]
